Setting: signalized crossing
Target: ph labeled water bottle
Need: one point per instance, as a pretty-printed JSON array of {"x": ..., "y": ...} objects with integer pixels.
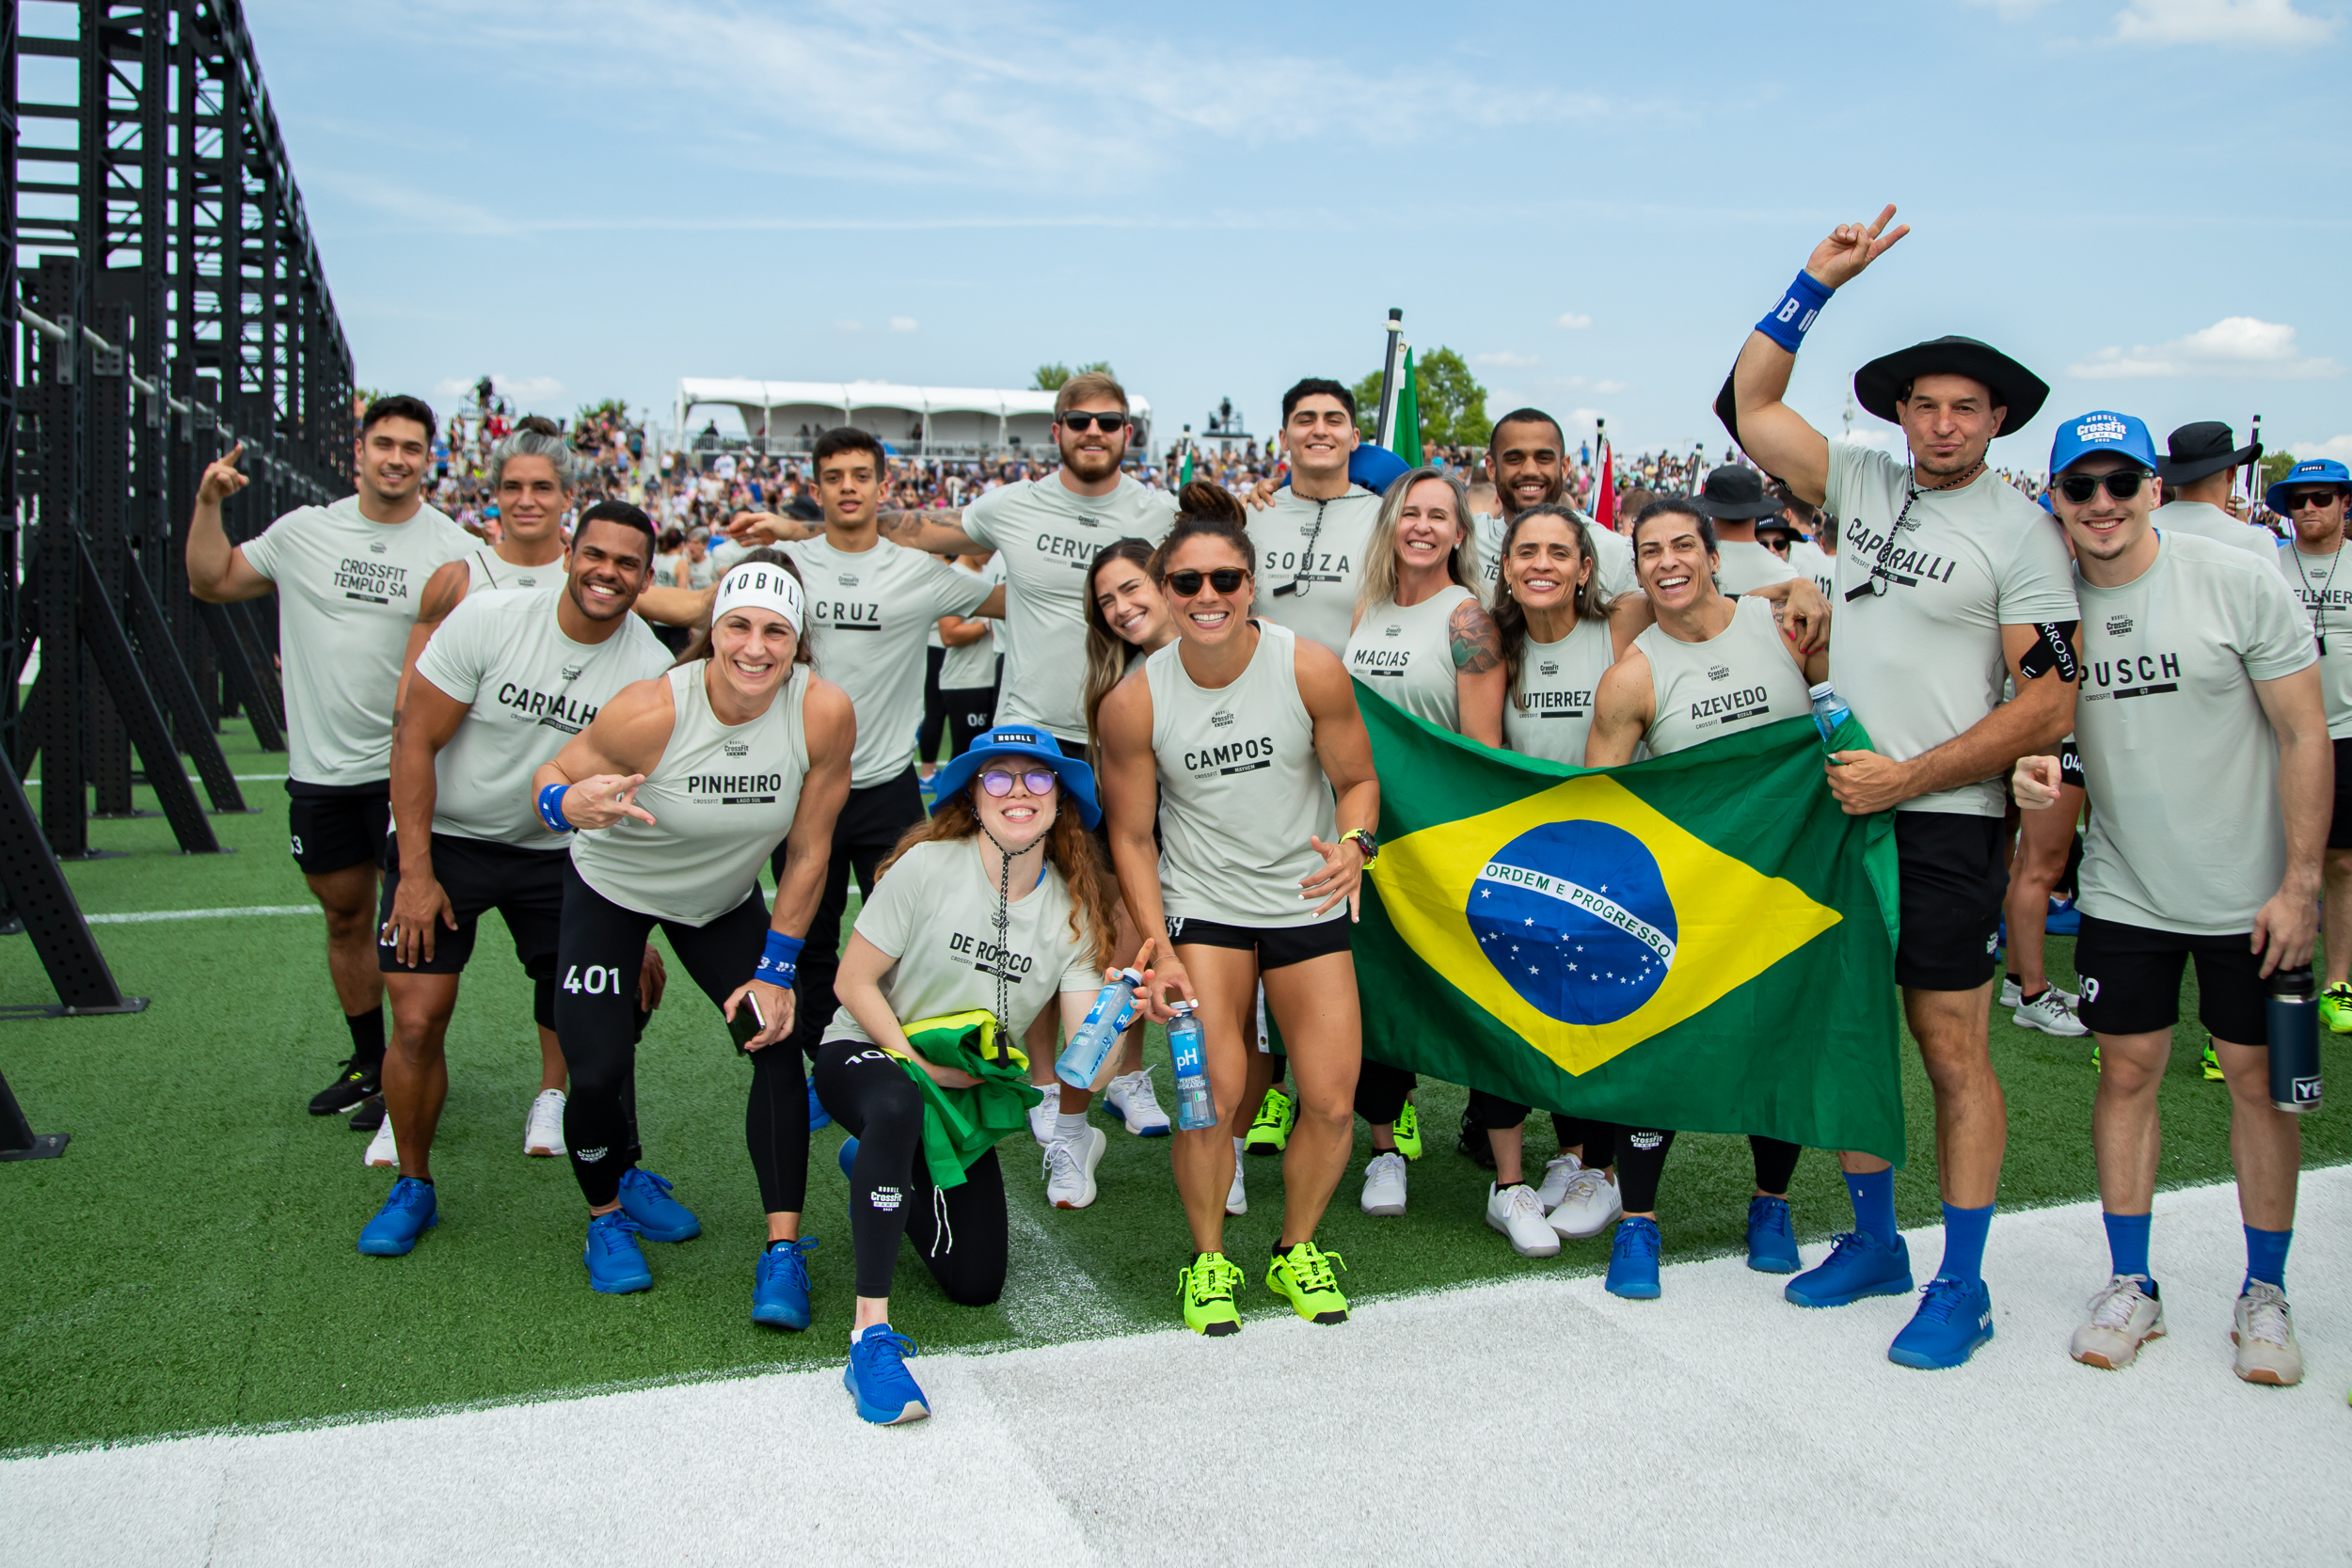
[
  {"x": 1113, "y": 1010},
  {"x": 1829, "y": 710},
  {"x": 1196, "y": 1106},
  {"x": 2292, "y": 1011}
]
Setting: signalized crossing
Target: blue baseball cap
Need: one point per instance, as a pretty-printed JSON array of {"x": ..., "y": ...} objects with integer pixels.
[
  {"x": 1019, "y": 740},
  {"x": 2319, "y": 470},
  {"x": 2101, "y": 430}
]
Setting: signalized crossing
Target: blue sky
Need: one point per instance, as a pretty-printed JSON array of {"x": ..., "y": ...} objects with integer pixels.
[{"x": 2143, "y": 199}]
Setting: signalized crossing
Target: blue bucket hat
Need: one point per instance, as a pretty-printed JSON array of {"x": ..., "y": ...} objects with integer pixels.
[
  {"x": 2319, "y": 470},
  {"x": 2101, "y": 430},
  {"x": 1016, "y": 741}
]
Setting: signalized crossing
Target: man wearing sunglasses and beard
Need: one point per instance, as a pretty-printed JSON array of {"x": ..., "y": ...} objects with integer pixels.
[
  {"x": 1946, "y": 577},
  {"x": 2313, "y": 498}
]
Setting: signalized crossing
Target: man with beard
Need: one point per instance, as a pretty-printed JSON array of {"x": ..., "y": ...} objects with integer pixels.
[{"x": 1526, "y": 454}]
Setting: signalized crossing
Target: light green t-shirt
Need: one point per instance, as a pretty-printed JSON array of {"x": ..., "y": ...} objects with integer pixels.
[
  {"x": 1807, "y": 558},
  {"x": 529, "y": 688},
  {"x": 2170, "y": 662},
  {"x": 1325, "y": 570},
  {"x": 1743, "y": 565},
  {"x": 1047, "y": 536},
  {"x": 934, "y": 913},
  {"x": 868, "y": 613},
  {"x": 2209, "y": 521},
  {"x": 2328, "y": 615},
  {"x": 973, "y": 666},
  {"x": 1921, "y": 662},
  {"x": 346, "y": 597}
]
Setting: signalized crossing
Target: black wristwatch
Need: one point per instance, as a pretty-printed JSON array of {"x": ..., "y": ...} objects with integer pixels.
[{"x": 1364, "y": 841}]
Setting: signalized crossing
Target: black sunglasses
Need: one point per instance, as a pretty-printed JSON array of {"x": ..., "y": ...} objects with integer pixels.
[
  {"x": 2298, "y": 500},
  {"x": 2124, "y": 483},
  {"x": 1225, "y": 579},
  {"x": 1099, "y": 421}
]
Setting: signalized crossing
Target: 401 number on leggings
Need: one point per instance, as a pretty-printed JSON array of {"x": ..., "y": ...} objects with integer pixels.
[{"x": 599, "y": 980}]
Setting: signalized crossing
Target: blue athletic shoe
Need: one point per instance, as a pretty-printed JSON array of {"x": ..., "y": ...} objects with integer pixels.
[
  {"x": 1955, "y": 1316},
  {"x": 780, "y": 1290},
  {"x": 817, "y": 1115},
  {"x": 877, "y": 1378},
  {"x": 645, "y": 1198},
  {"x": 1857, "y": 1266},
  {"x": 407, "y": 1214},
  {"x": 616, "y": 1264},
  {"x": 1771, "y": 1242},
  {"x": 849, "y": 1154},
  {"x": 1634, "y": 1260}
]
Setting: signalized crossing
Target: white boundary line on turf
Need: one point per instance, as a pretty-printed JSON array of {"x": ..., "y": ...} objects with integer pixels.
[{"x": 144, "y": 917}]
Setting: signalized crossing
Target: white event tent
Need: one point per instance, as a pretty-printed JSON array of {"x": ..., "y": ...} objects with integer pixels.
[{"x": 919, "y": 421}]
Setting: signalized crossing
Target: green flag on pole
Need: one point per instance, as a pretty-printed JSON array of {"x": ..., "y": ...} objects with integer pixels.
[
  {"x": 1703, "y": 942},
  {"x": 1405, "y": 438}
]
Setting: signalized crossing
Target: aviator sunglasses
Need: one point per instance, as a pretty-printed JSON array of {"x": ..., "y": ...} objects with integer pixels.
[
  {"x": 2124, "y": 483},
  {"x": 1225, "y": 579},
  {"x": 998, "y": 780}
]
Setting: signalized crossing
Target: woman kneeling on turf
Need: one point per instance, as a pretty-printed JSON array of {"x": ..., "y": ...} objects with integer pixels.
[{"x": 979, "y": 917}]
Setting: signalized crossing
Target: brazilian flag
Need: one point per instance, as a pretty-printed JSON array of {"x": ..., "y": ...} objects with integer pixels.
[{"x": 1703, "y": 942}]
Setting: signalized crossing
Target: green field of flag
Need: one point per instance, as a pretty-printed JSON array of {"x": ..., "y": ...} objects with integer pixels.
[{"x": 1702, "y": 941}]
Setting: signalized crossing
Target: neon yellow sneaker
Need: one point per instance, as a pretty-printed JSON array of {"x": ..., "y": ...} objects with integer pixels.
[
  {"x": 2335, "y": 1008},
  {"x": 2211, "y": 1063},
  {"x": 1270, "y": 1131},
  {"x": 1205, "y": 1286},
  {"x": 1407, "y": 1131},
  {"x": 1302, "y": 1276}
]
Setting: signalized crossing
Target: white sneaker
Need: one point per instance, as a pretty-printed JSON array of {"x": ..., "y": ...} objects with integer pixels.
[
  {"x": 2264, "y": 1327},
  {"x": 2012, "y": 994},
  {"x": 2050, "y": 1014},
  {"x": 1586, "y": 1208},
  {"x": 542, "y": 1130},
  {"x": 1042, "y": 1114},
  {"x": 1515, "y": 1211},
  {"x": 1236, "y": 1200},
  {"x": 2123, "y": 1317},
  {"x": 1069, "y": 1168},
  {"x": 1130, "y": 1097},
  {"x": 1384, "y": 1183},
  {"x": 1558, "y": 1172},
  {"x": 381, "y": 1151}
]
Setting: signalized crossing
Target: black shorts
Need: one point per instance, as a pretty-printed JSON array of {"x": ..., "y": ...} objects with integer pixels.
[
  {"x": 2131, "y": 981},
  {"x": 1954, "y": 877},
  {"x": 1277, "y": 946},
  {"x": 2340, "y": 829},
  {"x": 525, "y": 886},
  {"x": 336, "y": 827},
  {"x": 2071, "y": 763}
]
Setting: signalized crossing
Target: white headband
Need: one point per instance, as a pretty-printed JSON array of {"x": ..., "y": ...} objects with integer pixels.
[{"x": 762, "y": 586}]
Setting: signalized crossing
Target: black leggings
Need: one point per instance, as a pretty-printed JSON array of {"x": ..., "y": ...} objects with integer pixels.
[
  {"x": 1598, "y": 1139},
  {"x": 1380, "y": 1091},
  {"x": 971, "y": 710},
  {"x": 597, "y": 953},
  {"x": 961, "y": 1230},
  {"x": 1642, "y": 1160},
  {"x": 934, "y": 708}
]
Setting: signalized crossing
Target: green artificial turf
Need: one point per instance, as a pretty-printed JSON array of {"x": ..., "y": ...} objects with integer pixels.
[{"x": 188, "y": 1265}]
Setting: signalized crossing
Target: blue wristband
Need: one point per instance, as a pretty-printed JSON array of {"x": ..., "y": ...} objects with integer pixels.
[
  {"x": 552, "y": 808},
  {"x": 1787, "y": 323},
  {"x": 781, "y": 963}
]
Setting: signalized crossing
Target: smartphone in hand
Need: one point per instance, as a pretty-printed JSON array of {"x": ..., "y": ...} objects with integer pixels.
[{"x": 746, "y": 1024}]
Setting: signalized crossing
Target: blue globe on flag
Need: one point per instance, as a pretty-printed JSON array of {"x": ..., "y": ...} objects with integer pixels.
[{"x": 1576, "y": 917}]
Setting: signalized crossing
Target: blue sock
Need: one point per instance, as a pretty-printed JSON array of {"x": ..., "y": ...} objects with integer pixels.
[
  {"x": 1874, "y": 1205},
  {"x": 1965, "y": 1231},
  {"x": 2127, "y": 1242},
  {"x": 2267, "y": 1257}
]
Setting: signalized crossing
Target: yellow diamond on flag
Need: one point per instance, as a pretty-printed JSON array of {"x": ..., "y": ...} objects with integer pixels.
[{"x": 1584, "y": 920}]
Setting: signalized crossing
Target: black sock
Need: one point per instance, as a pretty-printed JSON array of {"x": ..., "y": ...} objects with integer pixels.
[
  {"x": 367, "y": 1038},
  {"x": 2025, "y": 1001},
  {"x": 2012, "y": 977}
]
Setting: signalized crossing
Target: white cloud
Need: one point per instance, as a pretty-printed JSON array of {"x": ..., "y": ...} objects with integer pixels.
[
  {"x": 2236, "y": 346},
  {"x": 2338, "y": 447},
  {"x": 1572, "y": 320},
  {"x": 1503, "y": 359},
  {"x": 2261, "y": 23},
  {"x": 902, "y": 324}
]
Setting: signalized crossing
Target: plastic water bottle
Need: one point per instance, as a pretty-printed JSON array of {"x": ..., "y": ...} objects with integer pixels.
[
  {"x": 1196, "y": 1106},
  {"x": 1829, "y": 710},
  {"x": 2292, "y": 1011},
  {"x": 1090, "y": 1047}
]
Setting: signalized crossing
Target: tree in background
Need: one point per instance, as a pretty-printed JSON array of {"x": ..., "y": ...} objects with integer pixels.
[
  {"x": 614, "y": 409},
  {"x": 2275, "y": 467},
  {"x": 1453, "y": 403},
  {"x": 1053, "y": 377}
]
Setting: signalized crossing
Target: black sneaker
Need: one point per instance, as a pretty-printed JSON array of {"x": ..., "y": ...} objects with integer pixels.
[
  {"x": 352, "y": 1084},
  {"x": 1472, "y": 1144},
  {"x": 369, "y": 1116}
]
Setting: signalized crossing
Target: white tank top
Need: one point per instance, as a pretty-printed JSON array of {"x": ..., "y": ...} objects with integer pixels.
[
  {"x": 485, "y": 573},
  {"x": 1551, "y": 712},
  {"x": 1406, "y": 654},
  {"x": 1241, "y": 790},
  {"x": 721, "y": 797},
  {"x": 1742, "y": 677}
]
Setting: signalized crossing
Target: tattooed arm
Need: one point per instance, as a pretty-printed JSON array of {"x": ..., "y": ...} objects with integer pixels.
[{"x": 1477, "y": 649}]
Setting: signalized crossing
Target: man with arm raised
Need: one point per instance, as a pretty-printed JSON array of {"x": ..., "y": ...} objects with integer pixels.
[{"x": 1947, "y": 579}]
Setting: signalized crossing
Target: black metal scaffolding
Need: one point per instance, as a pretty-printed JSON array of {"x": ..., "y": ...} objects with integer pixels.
[{"x": 162, "y": 298}]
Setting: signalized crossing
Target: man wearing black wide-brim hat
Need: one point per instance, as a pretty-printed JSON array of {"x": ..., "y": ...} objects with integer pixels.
[
  {"x": 1948, "y": 579},
  {"x": 1734, "y": 496},
  {"x": 2197, "y": 469}
]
